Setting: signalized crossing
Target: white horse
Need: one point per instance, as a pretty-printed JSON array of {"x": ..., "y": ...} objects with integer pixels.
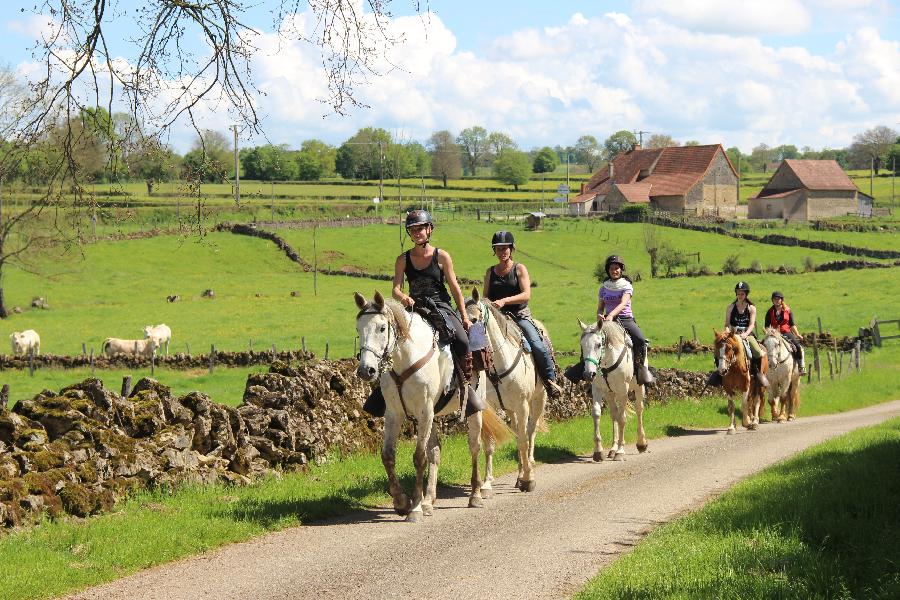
[
  {"x": 784, "y": 377},
  {"x": 513, "y": 385},
  {"x": 400, "y": 349},
  {"x": 606, "y": 350}
]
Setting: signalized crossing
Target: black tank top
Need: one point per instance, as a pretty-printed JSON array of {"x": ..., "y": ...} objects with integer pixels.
[
  {"x": 427, "y": 282},
  {"x": 506, "y": 286},
  {"x": 740, "y": 321}
]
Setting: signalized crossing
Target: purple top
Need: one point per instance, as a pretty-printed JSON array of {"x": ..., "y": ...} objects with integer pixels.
[{"x": 612, "y": 298}]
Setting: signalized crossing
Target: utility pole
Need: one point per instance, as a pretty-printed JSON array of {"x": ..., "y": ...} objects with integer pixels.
[
  {"x": 567, "y": 178},
  {"x": 872, "y": 177},
  {"x": 640, "y": 135},
  {"x": 237, "y": 175},
  {"x": 893, "y": 177}
]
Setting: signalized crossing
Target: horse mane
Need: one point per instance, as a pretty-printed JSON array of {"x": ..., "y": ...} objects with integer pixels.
[
  {"x": 615, "y": 333},
  {"x": 394, "y": 312},
  {"x": 773, "y": 332},
  {"x": 510, "y": 333}
]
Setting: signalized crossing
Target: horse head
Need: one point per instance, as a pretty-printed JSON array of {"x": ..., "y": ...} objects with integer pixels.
[
  {"x": 727, "y": 348},
  {"x": 376, "y": 342},
  {"x": 474, "y": 307},
  {"x": 593, "y": 344}
]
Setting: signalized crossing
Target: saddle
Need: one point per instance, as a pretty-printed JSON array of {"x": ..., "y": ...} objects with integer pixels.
[{"x": 428, "y": 310}]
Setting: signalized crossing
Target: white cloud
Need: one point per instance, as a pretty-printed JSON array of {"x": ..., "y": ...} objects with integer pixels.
[{"x": 787, "y": 17}]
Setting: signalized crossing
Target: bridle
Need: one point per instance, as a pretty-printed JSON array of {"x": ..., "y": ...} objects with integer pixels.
[
  {"x": 497, "y": 378},
  {"x": 385, "y": 356},
  {"x": 734, "y": 354},
  {"x": 605, "y": 371},
  {"x": 787, "y": 350}
]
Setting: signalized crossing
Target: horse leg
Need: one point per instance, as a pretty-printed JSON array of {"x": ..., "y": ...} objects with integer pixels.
[
  {"x": 389, "y": 460},
  {"x": 793, "y": 394},
  {"x": 595, "y": 413},
  {"x": 487, "y": 488},
  {"x": 538, "y": 404},
  {"x": 639, "y": 414},
  {"x": 745, "y": 407},
  {"x": 621, "y": 402},
  {"x": 731, "y": 427},
  {"x": 475, "y": 423},
  {"x": 613, "y": 408},
  {"x": 420, "y": 461},
  {"x": 521, "y": 422},
  {"x": 433, "y": 451}
]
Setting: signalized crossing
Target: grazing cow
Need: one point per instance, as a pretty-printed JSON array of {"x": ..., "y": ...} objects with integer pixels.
[
  {"x": 24, "y": 342},
  {"x": 161, "y": 332},
  {"x": 145, "y": 348},
  {"x": 173, "y": 298}
]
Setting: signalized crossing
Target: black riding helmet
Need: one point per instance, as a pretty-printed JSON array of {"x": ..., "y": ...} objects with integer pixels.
[
  {"x": 614, "y": 259},
  {"x": 742, "y": 285},
  {"x": 503, "y": 238},
  {"x": 777, "y": 294},
  {"x": 418, "y": 217}
]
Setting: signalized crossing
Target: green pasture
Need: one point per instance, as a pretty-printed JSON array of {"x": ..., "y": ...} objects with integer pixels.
[
  {"x": 823, "y": 524},
  {"x": 875, "y": 240},
  {"x": 151, "y": 528}
]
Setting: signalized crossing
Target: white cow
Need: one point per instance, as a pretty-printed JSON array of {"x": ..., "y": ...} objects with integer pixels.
[
  {"x": 145, "y": 348},
  {"x": 26, "y": 341},
  {"x": 161, "y": 333}
]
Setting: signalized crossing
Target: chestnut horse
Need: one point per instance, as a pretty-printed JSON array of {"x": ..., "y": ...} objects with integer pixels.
[{"x": 734, "y": 367}]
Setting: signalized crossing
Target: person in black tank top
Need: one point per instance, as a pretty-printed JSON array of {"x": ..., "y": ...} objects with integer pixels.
[
  {"x": 741, "y": 318},
  {"x": 508, "y": 285}
]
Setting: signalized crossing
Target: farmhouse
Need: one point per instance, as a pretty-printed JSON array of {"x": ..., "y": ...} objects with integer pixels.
[
  {"x": 693, "y": 179},
  {"x": 804, "y": 190}
]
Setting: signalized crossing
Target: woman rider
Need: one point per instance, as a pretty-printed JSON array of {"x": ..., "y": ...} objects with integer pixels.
[
  {"x": 740, "y": 316},
  {"x": 781, "y": 317},
  {"x": 429, "y": 272},
  {"x": 508, "y": 285}
]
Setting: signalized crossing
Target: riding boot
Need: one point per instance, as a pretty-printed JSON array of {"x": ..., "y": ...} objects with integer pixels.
[
  {"x": 714, "y": 379},
  {"x": 473, "y": 402},
  {"x": 553, "y": 389},
  {"x": 756, "y": 369},
  {"x": 801, "y": 359},
  {"x": 575, "y": 373},
  {"x": 643, "y": 374},
  {"x": 375, "y": 404}
]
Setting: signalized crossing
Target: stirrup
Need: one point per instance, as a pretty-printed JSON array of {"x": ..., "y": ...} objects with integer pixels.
[
  {"x": 554, "y": 391},
  {"x": 644, "y": 376}
]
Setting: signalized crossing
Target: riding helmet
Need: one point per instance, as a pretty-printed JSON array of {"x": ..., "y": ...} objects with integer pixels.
[
  {"x": 742, "y": 285},
  {"x": 418, "y": 217},
  {"x": 777, "y": 294},
  {"x": 614, "y": 259},
  {"x": 503, "y": 238}
]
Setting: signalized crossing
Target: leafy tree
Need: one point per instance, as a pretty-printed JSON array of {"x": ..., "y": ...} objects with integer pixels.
[
  {"x": 315, "y": 160},
  {"x": 269, "y": 163},
  {"x": 513, "y": 167},
  {"x": 152, "y": 163},
  {"x": 874, "y": 144},
  {"x": 661, "y": 140},
  {"x": 588, "y": 152},
  {"x": 892, "y": 159},
  {"x": 209, "y": 159},
  {"x": 545, "y": 161},
  {"x": 358, "y": 157},
  {"x": 692, "y": 143},
  {"x": 621, "y": 141},
  {"x": 738, "y": 159},
  {"x": 473, "y": 142},
  {"x": 497, "y": 142},
  {"x": 445, "y": 161},
  {"x": 786, "y": 151},
  {"x": 760, "y": 157},
  {"x": 670, "y": 258}
]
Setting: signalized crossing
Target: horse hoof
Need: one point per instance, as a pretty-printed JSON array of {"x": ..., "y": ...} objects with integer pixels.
[
  {"x": 729, "y": 431},
  {"x": 487, "y": 493},
  {"x": 476, "y": 502},
  {"x": 528, "y": 486},
  {"x": 518, "y": 483},
  {"x": 642, "y": 448},
  {"x": 427, "y": 510},
  {"x": 611, "y": 454},
  {"x": 791, "y": 418},
  {"x": 414, "y": 516},
  {"x": 403, "y": 507},
  {"x": 620, "y": 456},
  {"x": 598, "y": 456}
]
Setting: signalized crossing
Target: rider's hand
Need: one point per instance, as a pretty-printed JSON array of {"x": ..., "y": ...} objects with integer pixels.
[
  {"x": 408, "y": 301},
  {"x": 500, "y": 303},
  {"x": 601, "y": 317},
  {"x": 466, "y": 323}
]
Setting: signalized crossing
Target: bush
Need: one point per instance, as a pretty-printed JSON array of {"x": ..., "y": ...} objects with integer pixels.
[
  {"x": 670, "y": 258},
  {"x": 755, "y": 267},
  {"x": 633, "y": 213},
  {"x": 809, "y": 265},
  {"x": 732, "y": 264}
]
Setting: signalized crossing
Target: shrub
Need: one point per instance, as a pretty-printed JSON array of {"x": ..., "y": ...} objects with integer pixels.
[
  {"x": 706, "y": 270},
  {"x": 732, "y": 264},
  {"x": 670, "y": 258},
  {"x": 809, "y": 265},
  {"x": 633, "y": 213},
  {"x": 755, "y": 267}
]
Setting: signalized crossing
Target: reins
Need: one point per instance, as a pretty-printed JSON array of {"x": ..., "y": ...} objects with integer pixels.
[
  {"x": 497, "y": 378},
  {"x": 605, "y": 371}
]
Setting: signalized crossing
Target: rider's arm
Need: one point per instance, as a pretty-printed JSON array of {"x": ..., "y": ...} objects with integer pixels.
[
  {"x": 397, "y": 292},
  {"x": 446, "y": 264},
  {"x": 600, "y": 306},
  {"x": 524, "y": 294},
  {"x": 768, "y": 319},
  {"x": 728, "y": 315},
  {"x": 625, "y": 298},
  {"x": 486, "y": 288},
  {"x": 752, "y": 324},
  {"x": 793, "y": 325}
]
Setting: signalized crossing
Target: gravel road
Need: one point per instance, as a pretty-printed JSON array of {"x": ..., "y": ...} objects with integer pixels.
[{"x": 545, "y": 544}]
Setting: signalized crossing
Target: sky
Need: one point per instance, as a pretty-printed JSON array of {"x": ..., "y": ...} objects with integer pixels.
[{"x": 736, "y": 72}]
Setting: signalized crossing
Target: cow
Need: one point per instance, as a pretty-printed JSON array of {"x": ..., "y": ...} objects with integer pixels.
[
  {"x": 145, "y": 348},
  {"x": 25, "y": 342},
  {"x": 161, "y": 332}
]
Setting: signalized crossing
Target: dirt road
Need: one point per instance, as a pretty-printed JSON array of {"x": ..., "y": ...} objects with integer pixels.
[{"x": 540, "y": 545}]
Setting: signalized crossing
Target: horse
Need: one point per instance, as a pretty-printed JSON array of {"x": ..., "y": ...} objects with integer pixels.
[
  {"x": 514, "y": 386},
  {"x": 606, "y": 349},
  {"x": 400, "y": 349},
  {"x": 735, "y": 370},
  {"x": 784, "y": 377}
]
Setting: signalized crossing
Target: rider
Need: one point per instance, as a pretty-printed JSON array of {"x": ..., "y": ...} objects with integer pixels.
[
  {"x": 614, "y": 299},
  {"x": 781, "y": 317},
  {"x": 429, "y": 272},
  {"x": 740, "y": 316},
  {"x": 508, "y": 285}
]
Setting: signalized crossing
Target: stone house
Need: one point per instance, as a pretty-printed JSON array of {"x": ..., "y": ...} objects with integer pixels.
[
  {"x": 806, "y": 190},
  {"x": 686, "y": 179}
]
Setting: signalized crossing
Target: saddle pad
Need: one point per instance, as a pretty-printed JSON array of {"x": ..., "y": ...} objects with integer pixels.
[{"x": 477, "y": 337}]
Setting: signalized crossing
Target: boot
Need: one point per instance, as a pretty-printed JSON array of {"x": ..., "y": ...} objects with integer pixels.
[
  {"x": 375, "y": 404},
  {"x": 475, "y": 402},
  {"x": 756, "y": 369},
  {"x": 553, "y": 389},
  {"x": 643, "y": 374},
  {"x": 802, "y": 360},
  {"x": 575, "y": 373},
  {"x": 714, "y": 379}
]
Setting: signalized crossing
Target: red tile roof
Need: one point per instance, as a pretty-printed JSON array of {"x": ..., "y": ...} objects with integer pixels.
[
  {"x": 582, "y": 198},
  {"x": 635, "y": 192},
  {"x": 820, "y": 174},
  {"x": 775, "y": 194}
]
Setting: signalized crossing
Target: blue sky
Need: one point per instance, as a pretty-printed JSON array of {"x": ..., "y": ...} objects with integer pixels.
[{"x": 737, "y": 72}]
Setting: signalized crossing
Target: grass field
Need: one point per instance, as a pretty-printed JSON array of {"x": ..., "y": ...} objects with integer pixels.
[{"x": 151, "y": 528}]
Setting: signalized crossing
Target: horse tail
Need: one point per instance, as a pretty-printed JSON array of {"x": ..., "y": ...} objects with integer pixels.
[
  {"x": 493, "y": 427},
  {"x": 541, "y": 425}
]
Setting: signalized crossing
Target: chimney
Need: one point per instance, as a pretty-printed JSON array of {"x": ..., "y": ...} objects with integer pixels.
[
  {"x": 636, "y": 147},
  {"x": 611, "y": 170},
  {"x": 583, "y": 185}
]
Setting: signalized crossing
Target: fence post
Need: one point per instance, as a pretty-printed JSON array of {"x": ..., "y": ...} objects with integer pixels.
[
  {"x": 153, "y": 363},
  {"x": 858, "y": 347},
  {"x": 694, "y": 331},
  {"x": 188, "y": 346},
  {"x": 816, "y": 357},
  {"x": 833, "y": 339},
  {"x": 83, "y": 348},
  {"x": 303, "y": 343},
  {"x": 4, "y": 397},
  {"x": 212, "y": 358},
  {"x": 91, "y": 360},
  {"x": 680, "y": 344},
  {"x": 830, "y": 364},
  {"x": 126, "y": 386},
  {"x": 326, "y": 349},
  {"x": 251, "y": 344},
  {"x": 876, "y": 334},
  {"x": 31, "y": 362}
]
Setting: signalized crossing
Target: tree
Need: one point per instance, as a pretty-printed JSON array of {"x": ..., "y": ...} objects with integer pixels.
[
  {"x": 358, "y": 157},
  {"x": 497, "y": 142},
  {"x": 874, "y": 144},
  {"x": 513, "y": 167},
  {"x": 315, "y": 160},
  {"x": 892, "y": 159},
  {"x": 209, "y": 159},
  {"x": 445, "y": 162},
  {"x": 153, "y": 163},
  {"x": 760, "y": 157},
  {"x": 738, "y": 159},
  {"x": 785, "y": 152},
  {"x": 661, "y": 140},
  {"x": 588, "y": 152},
  {"x": 692, "y": 143},
  {"x": 621, "y": 141},
  {"x": 269, "y": 163},
  {"x": 473, "y": 142},
  {"x": 545, "y": 161}
]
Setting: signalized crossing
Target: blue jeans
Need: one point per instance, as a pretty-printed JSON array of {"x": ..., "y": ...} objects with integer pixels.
[{"x": 539, "y": 350}]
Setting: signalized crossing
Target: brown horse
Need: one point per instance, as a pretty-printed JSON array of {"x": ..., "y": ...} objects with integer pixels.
[{"x": 735, "y": 371}]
